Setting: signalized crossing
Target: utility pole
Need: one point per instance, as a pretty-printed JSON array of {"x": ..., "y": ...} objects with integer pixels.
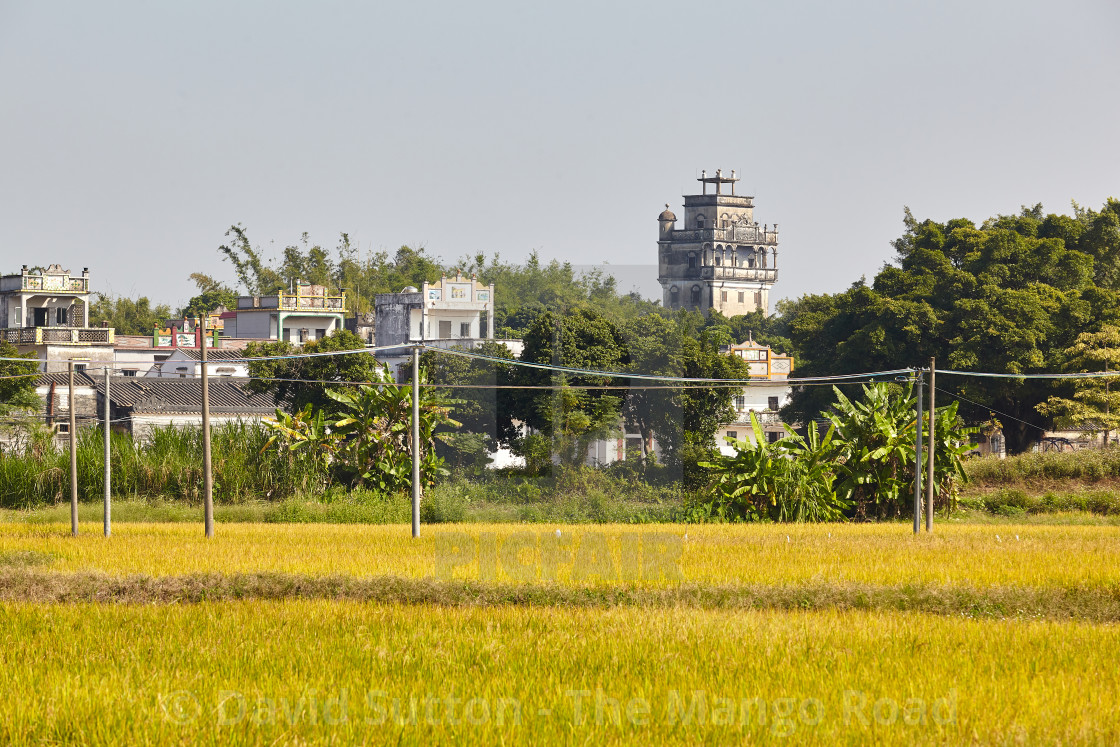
[
  {"x": 108, "y": 466},
  {"x": 207, "y": 475},
  {"x": 918, "y": 460},
  {"x": 932, "y": 444},
  {"x": 73, "y": 457},
  {"x": 416, "y": 441}
]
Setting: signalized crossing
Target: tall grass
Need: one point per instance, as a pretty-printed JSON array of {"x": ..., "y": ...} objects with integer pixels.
[
  {"x": 168, "y": 466},
  {"x": 1087, "y": 465}
]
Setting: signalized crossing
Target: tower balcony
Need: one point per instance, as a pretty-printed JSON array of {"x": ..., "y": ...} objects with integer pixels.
[
  {"x": 745, "y": 274},
  {"x": 732, "y": 235}
]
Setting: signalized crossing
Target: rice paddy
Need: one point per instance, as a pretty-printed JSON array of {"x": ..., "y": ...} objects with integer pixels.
[{"x": 318, "y": 633}]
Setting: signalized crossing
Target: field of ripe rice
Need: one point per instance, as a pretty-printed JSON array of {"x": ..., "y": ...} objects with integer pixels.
[
  {"x": 343, "y": 672},
  {"x": 978, "y": 557}
]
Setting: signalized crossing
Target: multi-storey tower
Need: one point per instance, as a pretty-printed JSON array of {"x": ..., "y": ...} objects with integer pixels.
[{"x": 721, "y": 258}]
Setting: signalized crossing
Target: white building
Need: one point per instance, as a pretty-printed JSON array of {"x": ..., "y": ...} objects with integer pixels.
[
  {"x": 186, "y": 363},
  {"x": 47, "y": 312},
  {"x": 453, "y": 313},
  {"x": 767, "y": 392},
  {"x": 310, "y": 313}
]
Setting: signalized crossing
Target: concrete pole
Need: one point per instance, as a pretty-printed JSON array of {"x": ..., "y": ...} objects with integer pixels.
[
  {"x": 207, "y": 475},
  {"x": 73, "y": 457},
  {"x": 932, "y": 445},
  {"x": 918, "y": 460},
  {"x": 416, "y": 441},
  {"x": 108, "y": 465}
]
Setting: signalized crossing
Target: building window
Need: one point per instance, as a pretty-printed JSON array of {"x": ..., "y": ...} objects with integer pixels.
[
  {"x": 62, "y": 428},
  {"x": 320, "y": 334},
  {"x": 674, "y": 297},
  {"x": 464, "y": 329},
  {"x": 60, "y": 316},
  {"x": 444, "y": 330},
  {"x": 129, "y": 372},
  {"x": 773, "y": 436},
  {"x": 740, "y": 296},
  {"x": 772, "y": 403},
  {"x": 303, "y": 335},
  {"x": 758, "y": 299},
  {"x": 735, "y": 434},
  {"x": 699, "y": 221},
  {"x": 723, "y": 296},
  {"x": 80, "y": 366},
  {"x": 740, "y": 402},
  {"x": 692, "y": 261},
  {"x": 696, "y": 295}
]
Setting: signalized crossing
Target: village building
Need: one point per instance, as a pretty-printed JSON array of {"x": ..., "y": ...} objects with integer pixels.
[
  {"x": 767, "y": 392},
  {"x": 308, "y": 313},
  {"x": 721, "y": 259},
  {"x": 46, "y": 311},
  {"x": 453, "y": 313},
  {"x": 186, "y": 363}
]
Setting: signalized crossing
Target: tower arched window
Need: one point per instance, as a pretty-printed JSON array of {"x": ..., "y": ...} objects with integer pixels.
[
  {"x": 762, "y": 257},
  {"x": 674, "y": 297},
  {"x": 699, "y": 221},
  {"x": 696, "y": 295}
]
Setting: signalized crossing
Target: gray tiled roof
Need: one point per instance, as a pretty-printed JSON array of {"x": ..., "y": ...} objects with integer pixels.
[
  {"x": 60, "y": 379},
  {"x": 227, "y": 395}
]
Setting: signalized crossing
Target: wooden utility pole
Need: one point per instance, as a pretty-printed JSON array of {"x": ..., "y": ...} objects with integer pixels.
[
  {"x": 207, "y": 475},
  {"x": 73, "y": 457},
  {"x": 416, "y": 441},
  {"x": 932, "y": 444},
  {"x": 108, "y": 466},
  {"x": 918, "y": 459}
]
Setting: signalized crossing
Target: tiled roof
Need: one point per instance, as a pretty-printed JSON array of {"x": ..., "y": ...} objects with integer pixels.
[
  {"x": 147, "y": 395},
  {"x": 81, "y": 378}
]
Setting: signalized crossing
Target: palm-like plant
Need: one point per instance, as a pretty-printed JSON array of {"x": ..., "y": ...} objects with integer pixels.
[
  {"x": 375, "y": 423},
  {"x": 874, "y": 448}
]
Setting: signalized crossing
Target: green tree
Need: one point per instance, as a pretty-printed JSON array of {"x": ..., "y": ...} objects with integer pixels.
[
  {"x": 211, "y": 294},
  {"x": 17, "y": 380},
  {"x": 1092, "y": 404},
  {"x": 571, "y": 415},
  {"x": 375, "y": 422},
  {"x": 483, "y": 406},
  {"x": 128, "y": 316},
  {"x": 298, "y": 382},
  {"x": 1007, "y": 296}
]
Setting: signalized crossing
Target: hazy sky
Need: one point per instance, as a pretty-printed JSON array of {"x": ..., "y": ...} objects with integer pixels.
[{"x": 134, "y": 133}]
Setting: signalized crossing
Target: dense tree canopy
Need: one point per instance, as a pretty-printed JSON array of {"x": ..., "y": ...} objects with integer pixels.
[
  {"x": 128, "y": 316},
  {"x": 211, "y": 295},
  {"x": 298, "y": 382},
  {"x": 1007, "y": 296},
  {"x": 17, "y": 385}
]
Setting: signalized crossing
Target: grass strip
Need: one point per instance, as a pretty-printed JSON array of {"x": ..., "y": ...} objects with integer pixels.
[{"x": 1091, "y": 604}]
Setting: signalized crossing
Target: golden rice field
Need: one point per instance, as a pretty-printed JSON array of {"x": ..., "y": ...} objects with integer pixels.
[
  {"x": 347, "y": 673},
  {"x": 601, "y": 634},
  {"x": 877, "y": 554}
]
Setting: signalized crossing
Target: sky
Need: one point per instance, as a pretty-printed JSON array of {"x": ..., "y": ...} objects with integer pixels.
[{"x": 134, "y": 134}]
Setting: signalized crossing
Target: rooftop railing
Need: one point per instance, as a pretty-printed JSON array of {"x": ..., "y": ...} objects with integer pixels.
[{"x": 58, "y": 335}]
